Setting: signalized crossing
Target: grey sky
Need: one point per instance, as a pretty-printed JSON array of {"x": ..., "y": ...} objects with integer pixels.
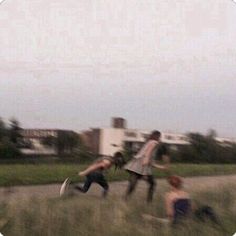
[{"x": 162, "y": 64}]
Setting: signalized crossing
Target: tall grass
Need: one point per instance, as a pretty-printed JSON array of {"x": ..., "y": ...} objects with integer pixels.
[{"x": 88, "y": 215}]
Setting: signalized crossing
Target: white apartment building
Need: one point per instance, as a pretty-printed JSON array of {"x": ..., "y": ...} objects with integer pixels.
[
  {"x": 108, "y": 141},
  {"x": 112, "y": 140}
]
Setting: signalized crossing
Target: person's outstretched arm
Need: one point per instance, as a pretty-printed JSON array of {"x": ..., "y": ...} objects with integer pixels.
[
  {"x": 158, "y": 166},
  {"x": 98, "y": 165},
  {"x": 165, "y": 165}
]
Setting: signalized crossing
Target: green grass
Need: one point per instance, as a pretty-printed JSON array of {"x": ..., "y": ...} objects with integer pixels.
[
  {"x": 19, "y": 174},
  {"x": 91, "y": 216}
]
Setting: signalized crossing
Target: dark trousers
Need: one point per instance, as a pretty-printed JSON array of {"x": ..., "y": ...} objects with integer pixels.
[
  {"x": 94, "y": 177},
  {"x": 133, "y": 179}
]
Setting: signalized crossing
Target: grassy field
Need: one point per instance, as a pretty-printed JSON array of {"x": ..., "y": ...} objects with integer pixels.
[
  {"x": 19, "y": 174},
  {"x": 92, "y": 216}
]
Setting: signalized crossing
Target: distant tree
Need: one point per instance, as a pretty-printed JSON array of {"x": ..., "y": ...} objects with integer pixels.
[
  {"x": 14, "y": 131},
  {"x": 67, "y": 142},
  {"x": 8, "y": 149},
  {"x": 3, "y": 129},
  {"x": 205, "y": 149},
  {"x": 211, "y": 134}
]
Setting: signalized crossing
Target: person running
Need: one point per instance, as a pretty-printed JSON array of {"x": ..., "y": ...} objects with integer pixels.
[
  {"x": 140, "y": 167},
  {"x": 95, "y": 172}
]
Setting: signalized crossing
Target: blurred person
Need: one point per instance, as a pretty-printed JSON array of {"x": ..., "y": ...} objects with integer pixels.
[
  {"x": 95, "y": 172},
  {"x": 179, "y": 206},
  {"x": 177, "y": 201},
  {"x": 140, "y": 166}
]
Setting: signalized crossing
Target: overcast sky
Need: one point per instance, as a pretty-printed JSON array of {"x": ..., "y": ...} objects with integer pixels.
[{"x": 163, "y": 64}]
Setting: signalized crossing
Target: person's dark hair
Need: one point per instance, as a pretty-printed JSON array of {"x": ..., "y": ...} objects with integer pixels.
[
  {"x": 155, "y": 134},
  {"x": 119, "y": 160}
]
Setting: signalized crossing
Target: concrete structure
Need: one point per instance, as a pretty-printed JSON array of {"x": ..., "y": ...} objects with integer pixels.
[
  {"x": 226, "y": 141},
  {"x": 118, "y": 122},
  {"x": 108, "y": 141},
  {"x": 34, "y": 141},
  {"x": 104, "y": 141}
]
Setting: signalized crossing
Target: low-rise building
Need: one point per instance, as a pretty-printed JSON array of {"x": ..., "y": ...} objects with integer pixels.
[
  {"x": 41, "y": 141},
  {"x": 226, "y": 141},
  {"x": 108, "y": 141}
]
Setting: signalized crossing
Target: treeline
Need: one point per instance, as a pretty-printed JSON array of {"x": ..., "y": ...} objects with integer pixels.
[
  {"x": 205, "y": 149},
  {"x": 201, "y": 148},
  {"x": 10, "y": 139},
  {"x": 67, "y": 144}
]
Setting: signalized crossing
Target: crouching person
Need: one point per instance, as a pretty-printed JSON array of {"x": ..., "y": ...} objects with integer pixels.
[
  {"x": 177, "y": 203},
  {"x": 95, "y": 173},
  {"x": 179, "y": 207}
]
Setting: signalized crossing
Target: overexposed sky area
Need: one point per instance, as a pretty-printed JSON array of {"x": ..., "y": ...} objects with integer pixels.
[{"x": 161, "y": 64}]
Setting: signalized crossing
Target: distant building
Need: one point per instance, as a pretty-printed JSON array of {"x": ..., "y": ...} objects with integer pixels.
[
  {"x": 103, "y": 141},
  {"x": 40, "y": 141},
  {"x": 108, "y": 141},
  {"x": 118, "y": 123},
  {"x": 225, "y": 141}
]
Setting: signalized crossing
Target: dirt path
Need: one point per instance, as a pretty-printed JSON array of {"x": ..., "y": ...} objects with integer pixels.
[{"x": 116, "y": 188}]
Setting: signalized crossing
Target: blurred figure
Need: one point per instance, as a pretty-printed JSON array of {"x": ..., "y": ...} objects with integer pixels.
[
  {"x": 179, "y": 207},
  {"x": 140, "y": 167},
  {"x": 95, "y": 172},
  {"x": 177, "y": 201}
]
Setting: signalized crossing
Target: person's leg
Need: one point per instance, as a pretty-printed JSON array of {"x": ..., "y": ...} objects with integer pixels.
[
  {"x": 103, "y": 183},
  {"x": 86, "y": 185},
  {"x": 133, "y": 179},
  {"x": 151, "y": 188}
]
